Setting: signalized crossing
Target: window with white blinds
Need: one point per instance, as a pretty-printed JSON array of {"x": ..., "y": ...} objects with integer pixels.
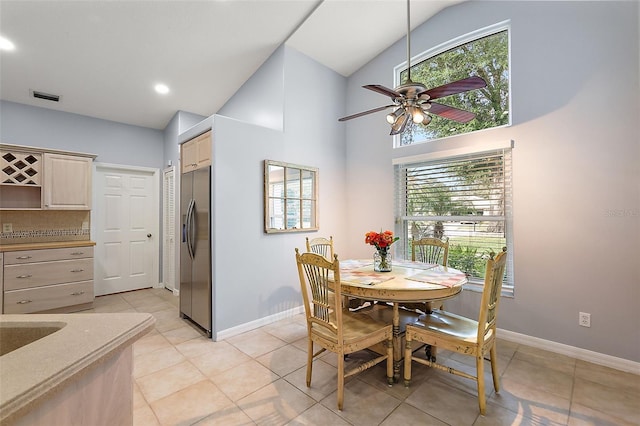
[{"x": 465, "y": 199}]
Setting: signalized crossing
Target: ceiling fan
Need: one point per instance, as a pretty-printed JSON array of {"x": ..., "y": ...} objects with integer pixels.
[{"x": 413, "y": 100}]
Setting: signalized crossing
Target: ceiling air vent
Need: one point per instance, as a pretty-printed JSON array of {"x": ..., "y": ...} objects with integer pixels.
[{"x": 45, "y": 96}]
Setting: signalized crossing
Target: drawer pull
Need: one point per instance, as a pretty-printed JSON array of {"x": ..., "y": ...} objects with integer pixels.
[
  {"x": 77, "y": 270},
  {"x": 23, "y": 257},
  {"x": 77, "y": 293},
  {"x": 77, "y": 253},
  {"x": 24, "y": 276},
  {"x": 23, "y": 302}
]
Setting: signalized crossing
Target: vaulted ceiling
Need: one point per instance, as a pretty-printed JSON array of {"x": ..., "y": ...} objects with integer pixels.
[{"x": 103, "y": 58}]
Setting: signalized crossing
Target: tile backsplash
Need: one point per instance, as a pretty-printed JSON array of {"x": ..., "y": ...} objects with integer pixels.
[{"x": 44, "y": 226}]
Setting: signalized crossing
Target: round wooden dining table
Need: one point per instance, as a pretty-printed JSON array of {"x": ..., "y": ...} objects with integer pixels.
[{"x": 407, "y": 282}]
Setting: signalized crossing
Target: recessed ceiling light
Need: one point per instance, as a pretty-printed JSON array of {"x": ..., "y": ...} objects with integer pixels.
[
  {"x": 6, "y": 44},
  {"x": 163, "y": 89}
]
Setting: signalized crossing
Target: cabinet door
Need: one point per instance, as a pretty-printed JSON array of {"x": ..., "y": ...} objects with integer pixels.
[
  {"x": 203, "y": 143},
  {"x": 67, "y": 182},
  {"x": 196, "y": 153},
  {"x": 189, "y": 156}
]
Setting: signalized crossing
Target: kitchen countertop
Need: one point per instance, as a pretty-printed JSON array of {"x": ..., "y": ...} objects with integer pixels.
[
  {"x": 32, "y": 373},
  {"x": 48, "y": 245}
]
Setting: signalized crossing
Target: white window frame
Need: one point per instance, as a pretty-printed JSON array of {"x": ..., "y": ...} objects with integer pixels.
[
  {"x": 448, "y": 45},
  {"x": 288, "y": 202},
  {"x": 451, "y": 154}
]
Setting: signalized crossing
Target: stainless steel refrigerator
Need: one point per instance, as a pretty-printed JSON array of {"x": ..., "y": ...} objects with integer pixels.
[{"x": 195, "y": 248}]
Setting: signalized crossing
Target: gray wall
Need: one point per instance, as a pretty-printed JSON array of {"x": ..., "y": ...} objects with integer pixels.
[
  {"x": 114, "y": 143},
  {"x": 575, "y": 108},
  {"x": 260, "y": 100},
  {"x": 254, "y": 270}
]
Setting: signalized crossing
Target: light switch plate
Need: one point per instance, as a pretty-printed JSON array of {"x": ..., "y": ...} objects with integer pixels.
[{"x": 7, "y": 227}]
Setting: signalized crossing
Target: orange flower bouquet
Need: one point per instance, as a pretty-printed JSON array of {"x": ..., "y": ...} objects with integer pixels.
[{"x": 382, "y": 241}]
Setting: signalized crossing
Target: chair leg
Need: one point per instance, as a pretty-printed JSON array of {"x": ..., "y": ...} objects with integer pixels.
[
  {"x": 340, "y": 381},
  {"x": 309, "y": 361},
  {"x": 494, "y": 367},
  {"x": 390, "y": 361},
  {"x": 407, "y": 360},
  {"x": 480, "y": 380}
]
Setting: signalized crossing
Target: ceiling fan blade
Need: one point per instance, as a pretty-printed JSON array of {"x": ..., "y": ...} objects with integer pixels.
[
  {"x": 400, "y": 124},
  {"x": 451, "y": 113},
  {"x": 383, "y": 90},
  {"x": 464, "y": 85},
  {"x": 360, "y": 114}
]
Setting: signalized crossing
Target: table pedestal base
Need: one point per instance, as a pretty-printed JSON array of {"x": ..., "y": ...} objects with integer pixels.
[{"x": 399, "y": 318}]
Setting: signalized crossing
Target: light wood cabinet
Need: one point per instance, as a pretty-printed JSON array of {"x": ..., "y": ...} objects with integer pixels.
[
  {"x": 59, "y": 279},
  {"x": 196, "y": 153},
  {"x": 43, "y": 179},
  {"x": 20, "y": 179},
  {"x": 67, "y": 184}
]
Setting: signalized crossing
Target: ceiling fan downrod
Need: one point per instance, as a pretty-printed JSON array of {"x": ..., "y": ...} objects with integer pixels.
[
  {"x": 408, "y": 43},
  {"x": 411, "y": 101}
]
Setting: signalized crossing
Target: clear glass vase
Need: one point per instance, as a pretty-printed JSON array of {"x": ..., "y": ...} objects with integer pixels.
[{"x": 382, "y": 261}]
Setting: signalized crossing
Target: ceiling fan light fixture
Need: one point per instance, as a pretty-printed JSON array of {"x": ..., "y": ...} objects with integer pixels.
[
  {"x": 400, "y": 123},
  {"x": 417, "y": 115},
  {"x": 427, "y": 119},
  {"x": 393, "y": 116}
]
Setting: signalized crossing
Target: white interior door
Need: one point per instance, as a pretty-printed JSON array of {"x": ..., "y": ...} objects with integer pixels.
[
  {"x": 125, "y": 228},
  {"x": 168, "y": 228}
]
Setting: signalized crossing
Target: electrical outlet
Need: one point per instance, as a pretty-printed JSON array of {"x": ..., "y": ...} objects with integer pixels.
[
  {"x": 584, "y": 319},
  {"x": 85, "y": 225},
  {"x": 7, "y": 227}
]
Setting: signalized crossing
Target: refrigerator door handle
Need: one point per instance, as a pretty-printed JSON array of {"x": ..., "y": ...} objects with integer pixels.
[
  {"x": 192, "y": 237},
  {"x": 188, "y": 228}
]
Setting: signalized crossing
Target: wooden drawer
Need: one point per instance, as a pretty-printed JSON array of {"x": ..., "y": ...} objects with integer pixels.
[
  {"x": 45, "y": 255},
  {"x": 30, "y": 275},
  {"x": 48, "y": 297}
]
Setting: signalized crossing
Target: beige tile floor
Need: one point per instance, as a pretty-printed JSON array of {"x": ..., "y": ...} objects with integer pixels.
[{"x": 182, "y": 378}]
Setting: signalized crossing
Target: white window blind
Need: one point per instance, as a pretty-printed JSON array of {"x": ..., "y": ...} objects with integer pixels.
[{"x": 465, "y": 199}]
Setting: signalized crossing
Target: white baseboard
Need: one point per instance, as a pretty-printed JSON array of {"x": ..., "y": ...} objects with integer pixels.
[
  {"x": 559, "y": 348},
  {"x": 175, "y": 292},
  {"x": 578, "y": 353},
  {"x": 243, "y": 328}
]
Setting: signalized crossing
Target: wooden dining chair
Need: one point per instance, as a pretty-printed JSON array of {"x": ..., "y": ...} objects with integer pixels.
[
  {"x": 333, "y": 328},
  {"x": 321, "y": 246},
  {"x": 324, "y": 247},
  {"x": 428, "y": 250},
  {"x": 456, "y": 333}
]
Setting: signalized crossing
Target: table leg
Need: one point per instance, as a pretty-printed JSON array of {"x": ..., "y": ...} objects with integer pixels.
[{"x": 397, "y": 343}]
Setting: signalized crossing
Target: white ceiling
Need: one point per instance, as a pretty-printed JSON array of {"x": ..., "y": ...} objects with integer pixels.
[{"x": 104, "y": 57}]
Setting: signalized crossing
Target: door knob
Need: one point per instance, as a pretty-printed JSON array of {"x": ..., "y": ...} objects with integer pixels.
[{"x": 148, "y": 235}]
